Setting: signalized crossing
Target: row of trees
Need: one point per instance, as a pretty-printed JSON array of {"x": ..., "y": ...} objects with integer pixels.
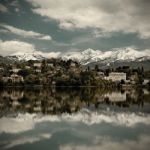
[{"x": 86, "y": 78}]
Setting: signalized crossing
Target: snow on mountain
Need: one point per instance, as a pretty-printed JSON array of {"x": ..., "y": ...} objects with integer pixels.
[
  {"x": 90, "y": 56},
  {"x": 36, "y": 55}
]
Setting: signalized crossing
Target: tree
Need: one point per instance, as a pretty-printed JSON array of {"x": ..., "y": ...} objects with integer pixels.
[
  {"x": 88, "y": 68},
  {"x": 1, "y": 81},
  {"x": 122, "y": 82},
  {"x": 24, "y": 72},
  {"x": 44, "y": 66},
  {"x": 96, "y": 68}
]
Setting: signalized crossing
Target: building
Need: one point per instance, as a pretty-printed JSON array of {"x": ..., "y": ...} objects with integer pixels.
[
  {"x": 50, "y": 65},
  {"x": 27, "y": 67},
  {"x": 116, "y": 76},
  {"x": 73, "y": 64},
  {"x": 38, "y": 70},
  {"x": 37, "y": 65},
  {"x": 100, "y": 74},
  {"x": 16, "y": 78},
  {"x": 15, "y": 70}
]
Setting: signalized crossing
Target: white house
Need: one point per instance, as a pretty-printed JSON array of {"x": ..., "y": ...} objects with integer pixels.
[
  {"x": 16, "y": 78},
  {"x": 50, "y": 64},
  {"x": 72, "y": 64},
  {"x": 15, "y": 70},
  {"x": 116, "y": 76},
  {"x": 38, "y": 70},
  {"x": 100, "y": 74},
  {"x": 37, "y": 65},
  {"x": 27, "y": 67}
]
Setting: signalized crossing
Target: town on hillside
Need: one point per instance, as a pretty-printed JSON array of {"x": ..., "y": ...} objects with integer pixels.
[{"x": 57, "y": 72}]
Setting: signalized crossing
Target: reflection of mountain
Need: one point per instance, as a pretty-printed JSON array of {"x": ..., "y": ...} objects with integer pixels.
[{"x": 69, "y": 100}]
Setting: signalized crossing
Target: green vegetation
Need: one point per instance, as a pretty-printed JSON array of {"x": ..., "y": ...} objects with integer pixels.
[{"x": 57, "y": 72}]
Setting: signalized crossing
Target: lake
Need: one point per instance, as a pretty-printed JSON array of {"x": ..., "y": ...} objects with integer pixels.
[{"x": 74, "y": 119}]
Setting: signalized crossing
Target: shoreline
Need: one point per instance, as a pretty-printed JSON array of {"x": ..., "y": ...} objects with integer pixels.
[{"x": 72, "y": 86}]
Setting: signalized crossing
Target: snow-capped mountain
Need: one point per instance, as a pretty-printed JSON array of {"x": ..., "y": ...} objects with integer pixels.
[
  {"x": 36, "y": 55},
  {"x": 90, "y": 56},
  {"x": 26, "y": 57}
]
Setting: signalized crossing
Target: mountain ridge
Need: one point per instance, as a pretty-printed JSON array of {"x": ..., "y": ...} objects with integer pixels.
[{"x": 89, "y": 56}]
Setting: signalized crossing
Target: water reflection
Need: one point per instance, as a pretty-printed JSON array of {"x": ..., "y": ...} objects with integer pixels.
[
  {"x": 60, "y": 100},
  {"x": 74, "y": 119},
  {"x": 83, "y": 130}
]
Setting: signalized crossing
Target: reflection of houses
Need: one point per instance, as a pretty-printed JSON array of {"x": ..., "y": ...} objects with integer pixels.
[
  {"x": 6, "y": 79},
  {"x": 116, "y": 96},
  {"x": 14, "y": 95},
  {"x": 133, "y": 78},
  {"x": 146, "y": 92},
  {"x": 132, "y": 94},
  {"x": 146, "y": 81},
  {"x": 37, "y": 106},
  {"x": 56, "y": 102},
  {"x": 15, "y": 103},
  {"x": 116, "y": 76},
  {"x": 1, "y": 70}
]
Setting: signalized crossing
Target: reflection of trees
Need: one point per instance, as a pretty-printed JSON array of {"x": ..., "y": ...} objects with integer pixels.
[
  {"x": 60, "y": 100},
  {"x": 136, "y": 96}
]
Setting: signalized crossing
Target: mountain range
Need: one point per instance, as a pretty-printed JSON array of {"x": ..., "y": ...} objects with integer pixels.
[{"x": 91, "y": 57}]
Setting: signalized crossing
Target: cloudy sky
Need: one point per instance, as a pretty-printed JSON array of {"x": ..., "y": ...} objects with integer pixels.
[{"x": 66, "y": 25}]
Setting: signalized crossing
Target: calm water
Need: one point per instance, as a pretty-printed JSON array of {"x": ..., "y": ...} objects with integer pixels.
[{"x": 74, "y": 119}]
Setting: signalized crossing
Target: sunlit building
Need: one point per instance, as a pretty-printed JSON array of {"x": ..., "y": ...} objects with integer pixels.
[{"x": 116, "y": 76}]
